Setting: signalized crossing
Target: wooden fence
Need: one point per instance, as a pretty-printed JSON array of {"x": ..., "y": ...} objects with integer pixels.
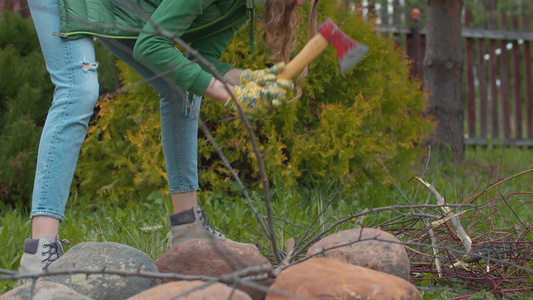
[{"x": 498, "y": 93}]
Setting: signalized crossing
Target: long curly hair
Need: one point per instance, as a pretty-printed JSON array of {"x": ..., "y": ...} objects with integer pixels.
[{"x": 280, "y": 22}]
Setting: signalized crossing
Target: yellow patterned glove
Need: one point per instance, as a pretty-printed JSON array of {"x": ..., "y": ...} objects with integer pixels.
[
  {"x": 261, "y": 76},
  {"x": 256, "y": 99}
]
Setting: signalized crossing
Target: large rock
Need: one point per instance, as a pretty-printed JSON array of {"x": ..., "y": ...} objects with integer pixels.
[
  {"x": 190, "y": 290},
  {"x": 97, "y": 256},
  {"x": 324, "y": 278},
  {"x": 367, "y": 247},
  {"x": 213, "y": 258},
  {"x": 60, "y": 294},
  {"x": 43, "y": 290}
]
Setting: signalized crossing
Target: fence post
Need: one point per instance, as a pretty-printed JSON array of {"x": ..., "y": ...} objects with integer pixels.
[
  {"x": 527, "y": 10},
  {"x": 517, "y": 84},
  {"x": 504, "y": 73},
  {"x": 470, "y": 89},
  {"x": 493, "y": 71}
]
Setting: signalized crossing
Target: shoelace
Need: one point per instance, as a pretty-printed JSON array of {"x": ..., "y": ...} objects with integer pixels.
[
  {"x": 205, "y": 223},
  {"x": 56, "y": 248}
]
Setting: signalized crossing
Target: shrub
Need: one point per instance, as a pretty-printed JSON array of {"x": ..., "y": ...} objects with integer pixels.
[
  {"x": 339, "y": 124},
  {"x": 122, "y": 158},
  {"x": 25, "y": 96}
]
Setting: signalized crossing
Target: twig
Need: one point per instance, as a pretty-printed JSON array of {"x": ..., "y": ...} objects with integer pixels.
[
  {"x": 306, "y": 235},
  {"x": 467, "y": 200},
  {"x": 393, "y": 181},
  {"x": 289, "y": 248},
  {"x": 514, "y": 213},
  {"x": 480, "y": 256},
  {"x": 424, "y": 171},
  {"x": 294, "y": 206},
  {"x": 434, "y": 247},
  {"x": 225, "y": 278},
  {"x": 369, "y": 211},
  {"x": 467, "y": 242},
  {"x": 425, "y": 220},
  {"x": 232, "y": 171}
]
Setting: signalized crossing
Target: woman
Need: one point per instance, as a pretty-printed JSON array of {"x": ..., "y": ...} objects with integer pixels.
[{"x": 140, "y": 33}]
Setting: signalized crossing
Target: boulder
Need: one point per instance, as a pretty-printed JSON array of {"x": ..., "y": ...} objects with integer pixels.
[
  {"x": 191, "y": 290},
  {"x": 43, "y": 290},
  {"x": 324, "y": 278},
  {"x": 60, "y": 294},
  {"x": 362, "y": 250},
  {"x": 213, "y": 258},
  {"x": 111, "y": 256}
]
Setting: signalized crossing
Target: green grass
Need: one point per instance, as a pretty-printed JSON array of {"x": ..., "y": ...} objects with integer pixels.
[{"x": 144, "y": 224}]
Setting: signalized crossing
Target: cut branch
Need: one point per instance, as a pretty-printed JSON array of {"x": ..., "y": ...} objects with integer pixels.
[{"x": 465, "y": 239}]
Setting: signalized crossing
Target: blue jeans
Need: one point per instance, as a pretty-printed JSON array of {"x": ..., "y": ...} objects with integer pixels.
[
  {"x": 72, "y": 67},
  {"x": 179, "y": 120}
]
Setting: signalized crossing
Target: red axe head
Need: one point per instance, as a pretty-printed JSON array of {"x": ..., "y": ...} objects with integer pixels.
[{"x": 349, "y": 51}]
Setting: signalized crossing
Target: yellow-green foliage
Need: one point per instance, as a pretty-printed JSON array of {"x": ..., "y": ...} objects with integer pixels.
[
  {"x": 123, "y": 155},
  {"x": 339, "y": 124}
]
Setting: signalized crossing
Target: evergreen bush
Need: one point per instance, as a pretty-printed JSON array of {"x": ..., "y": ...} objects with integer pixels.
[
  {"x": 122, "y": 158},
  {"x": 339, "y": 124},
  {"x": 25, "y": 97}
]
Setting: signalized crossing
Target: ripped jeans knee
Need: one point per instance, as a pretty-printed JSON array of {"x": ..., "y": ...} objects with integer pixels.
[{"x": 89, "y": 65}]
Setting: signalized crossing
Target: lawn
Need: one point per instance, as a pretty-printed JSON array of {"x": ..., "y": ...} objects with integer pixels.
[{"x": 144, "y": 224}]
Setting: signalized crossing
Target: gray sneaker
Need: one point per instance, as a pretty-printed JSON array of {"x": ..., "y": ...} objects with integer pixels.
[
  {"x": 192, "y": 224},
  {"x": 40, "y": 253}
]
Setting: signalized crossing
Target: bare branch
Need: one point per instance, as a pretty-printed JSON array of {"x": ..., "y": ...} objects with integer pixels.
[
  {"x": 306, "y": 235},
  {"x": 496, "y": 185},
  {"x": 232, "y": 172},
  {"x": 475, "y": 255},
  {"x": 467, "y": 242},
  {"x": 225, "y": 278},
  {"x": 370, "y": 211}
]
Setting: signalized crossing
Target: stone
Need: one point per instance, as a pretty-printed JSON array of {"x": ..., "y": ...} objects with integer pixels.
[
  {"x": 60, "y": 294},
  {"x": 108, "y": 255},
  {"x": 41, "y": 291},
  {"x": 173, "y": 290},
  {"x": 379, "y": 255},
  {"x": 325, "y": 278},
  {"x": 213, "y": 258}
]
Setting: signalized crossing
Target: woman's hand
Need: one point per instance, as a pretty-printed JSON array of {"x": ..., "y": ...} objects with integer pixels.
[
  {"x": 256, "y": 91},
  {"x": 261, "y": 76},
  {"x": 257, "y": 97}
]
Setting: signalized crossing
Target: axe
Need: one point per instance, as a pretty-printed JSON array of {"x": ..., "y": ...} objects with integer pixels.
[{"x": 349, "y": 51}]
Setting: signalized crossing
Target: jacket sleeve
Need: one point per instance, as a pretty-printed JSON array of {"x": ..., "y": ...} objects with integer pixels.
[
  {"x": 213, "y": 47},
  {"x": 159, "y": 54}
]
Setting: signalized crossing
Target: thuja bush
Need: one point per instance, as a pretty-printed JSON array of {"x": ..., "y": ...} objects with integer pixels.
[
  {"x": 341, "y": 122},
  {"x": 339, "y": 125},
  {"x": 122, "y": 158},
  {"x": 25, "y": 97}
]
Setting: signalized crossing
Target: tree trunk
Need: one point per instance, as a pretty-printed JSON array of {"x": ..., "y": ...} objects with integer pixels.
[{"x": 442, "y": 73}]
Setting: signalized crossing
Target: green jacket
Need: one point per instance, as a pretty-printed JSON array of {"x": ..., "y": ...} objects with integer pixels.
[{"x": 208, "y": 25}]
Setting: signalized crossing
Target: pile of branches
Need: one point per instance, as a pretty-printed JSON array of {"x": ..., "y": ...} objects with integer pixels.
[
  {"x": 496, "y": 262},
  {"x": 492, "y": 253}
]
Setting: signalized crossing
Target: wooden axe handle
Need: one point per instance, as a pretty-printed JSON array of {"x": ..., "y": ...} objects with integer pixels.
[{"x": 311, "y": 50}]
